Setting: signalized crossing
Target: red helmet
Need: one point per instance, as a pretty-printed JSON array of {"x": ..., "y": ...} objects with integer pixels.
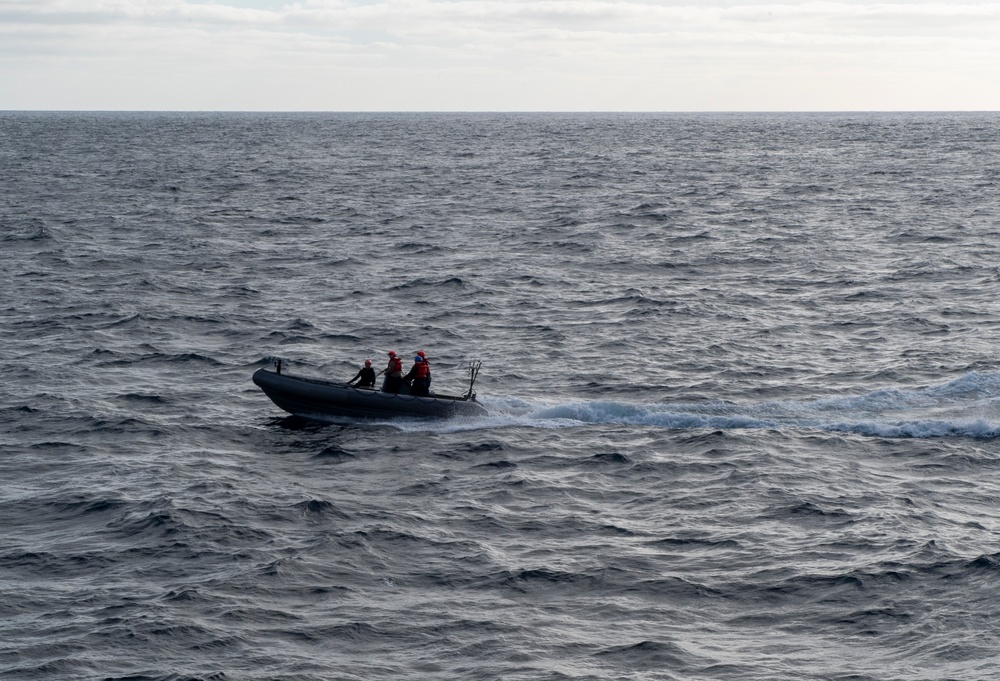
[
  {"x": 368, "y": 362},
  {"x": 392, "y": 353},
  {"x": 422, "y": 354}
]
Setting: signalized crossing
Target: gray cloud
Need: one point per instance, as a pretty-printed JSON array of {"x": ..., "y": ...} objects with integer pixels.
[{"x": 544, "y": 48}]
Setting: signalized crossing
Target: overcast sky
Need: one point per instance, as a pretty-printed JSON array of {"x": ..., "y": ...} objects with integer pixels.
[{"x": 499, "y": 55}]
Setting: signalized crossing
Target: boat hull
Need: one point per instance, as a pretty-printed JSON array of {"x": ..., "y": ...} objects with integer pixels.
[{"x": 314, "y": 397}]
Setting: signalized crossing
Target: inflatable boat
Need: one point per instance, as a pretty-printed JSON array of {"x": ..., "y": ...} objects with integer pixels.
[{"x": 311, "y": 397}]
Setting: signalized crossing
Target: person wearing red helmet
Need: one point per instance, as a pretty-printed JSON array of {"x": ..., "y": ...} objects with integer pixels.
[
  {"x": 367, "y": 376},
  {"x": 393, "y": 374},
  {"x": 418, "y": 377}
]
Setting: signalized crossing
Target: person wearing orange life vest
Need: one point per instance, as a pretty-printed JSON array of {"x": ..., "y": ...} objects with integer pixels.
[
  {"x": 427, "y": 362},
  {"x": 418, "y": 376},
  {"x": 393, "y": 374}
]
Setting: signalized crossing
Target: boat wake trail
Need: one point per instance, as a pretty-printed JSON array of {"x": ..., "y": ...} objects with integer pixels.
[{"x": 966, "y": 407}]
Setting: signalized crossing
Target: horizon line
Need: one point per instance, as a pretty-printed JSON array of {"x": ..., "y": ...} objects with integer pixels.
[{"x": 513, "y": 111}]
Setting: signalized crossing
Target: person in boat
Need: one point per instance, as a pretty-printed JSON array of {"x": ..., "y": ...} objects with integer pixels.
[
  {"x": 367, "y": 376},
  {"x": 393, "y": 374},
  {"x": 424, "y": 355},
  {"x": 418, "y": 376}
]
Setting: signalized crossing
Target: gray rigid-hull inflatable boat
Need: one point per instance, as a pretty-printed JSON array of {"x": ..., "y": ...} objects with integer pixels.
[{"x": 315, "y": 397}]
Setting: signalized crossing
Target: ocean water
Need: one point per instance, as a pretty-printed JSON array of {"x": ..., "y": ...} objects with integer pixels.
[{"x": 741, "y": 373}]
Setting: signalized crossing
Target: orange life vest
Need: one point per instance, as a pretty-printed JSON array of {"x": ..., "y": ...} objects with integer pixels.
[{"x": 423, "y": 370}]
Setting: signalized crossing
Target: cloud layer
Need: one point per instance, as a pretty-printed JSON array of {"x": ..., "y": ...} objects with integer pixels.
[{"x": 498, "y": 55}]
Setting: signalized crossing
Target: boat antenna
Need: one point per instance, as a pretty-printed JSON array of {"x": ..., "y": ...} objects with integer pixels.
[{"x": 474, "y": 367}]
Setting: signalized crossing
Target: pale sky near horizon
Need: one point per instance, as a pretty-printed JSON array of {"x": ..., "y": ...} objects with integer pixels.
[{"x": 499, "y": 55}]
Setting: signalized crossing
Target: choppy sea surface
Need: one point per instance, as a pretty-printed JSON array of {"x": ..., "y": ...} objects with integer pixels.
[{"x": 741, "y": 373}]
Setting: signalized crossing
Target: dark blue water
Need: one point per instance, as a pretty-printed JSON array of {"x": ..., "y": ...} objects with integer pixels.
[{"x": 741, "y": 372}]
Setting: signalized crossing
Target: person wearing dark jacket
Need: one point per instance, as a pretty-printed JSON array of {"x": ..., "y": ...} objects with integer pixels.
[
  {"x": 418, "y": 377},
  {"x": 367, "y": 376}
]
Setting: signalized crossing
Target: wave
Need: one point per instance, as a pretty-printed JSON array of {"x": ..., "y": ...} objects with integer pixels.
[
  {"x": 968, "y": 406},
  {"x": 26, "y": 230}
]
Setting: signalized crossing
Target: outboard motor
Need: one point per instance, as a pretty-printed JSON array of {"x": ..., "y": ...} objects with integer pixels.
[{"x": 474, "y": 367}]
